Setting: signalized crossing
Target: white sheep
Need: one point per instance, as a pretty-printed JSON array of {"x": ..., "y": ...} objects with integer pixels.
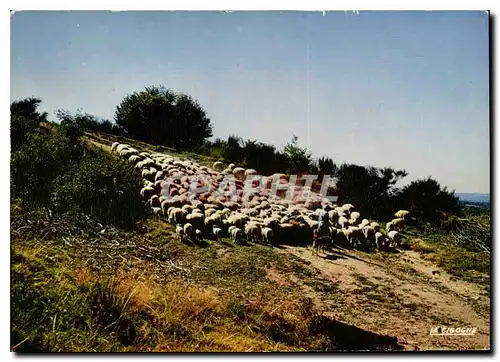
[
  {"x": 121, "y": 147},
  {"x": 198, "y": 235},
  {"x": 380, "y": 240},
  {"x": 375, "y": 226},
  {"x": 239, "y": 173},
  {"x": 355, "y": 215},
  {"x": 177, "y": 215},
  {"x": 365, "y": 222},
  {"x": 267, "y": 234},
  {"x": 389, "y": 226},
  {"x": 354, "y": 235},
  {"x": 252, "y": 230},
  {"x": 398, "y": 223},
  {"x": 134, "y": 159},
  {"x": 114, "y": 145},
  {"x": 402, "y": 214},
  {"x": 369, "y": 234},
  {"x": 343, "y": 222},
  {"x": 217, "y": 232},
  {"x": 394, "y": 238},
  {"x": 159, "y": 175},
  {"x": 230, "y": 228},
  {"x": 218, "y": 166},
  {"x": 179, "y": 230},
  {"x": 154, "y": 201},
  {"x": 236, "y": 234},
  {"x": 347, "y": 208},
  {"x": 196, "y": 219},
  {"x": 188, "y": 230},
  {"x": 209, "y": 212}
]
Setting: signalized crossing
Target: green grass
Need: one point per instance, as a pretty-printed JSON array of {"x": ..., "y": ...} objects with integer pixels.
[
  {"x": 50, "y": 312},
  {"x": 466, "y": 265}
]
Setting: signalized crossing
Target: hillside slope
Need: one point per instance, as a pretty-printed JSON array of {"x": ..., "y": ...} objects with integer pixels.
[{"x": 219, "y": 296}]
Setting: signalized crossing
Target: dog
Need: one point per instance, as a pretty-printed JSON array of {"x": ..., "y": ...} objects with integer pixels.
[{"x": 320, "y": 244}]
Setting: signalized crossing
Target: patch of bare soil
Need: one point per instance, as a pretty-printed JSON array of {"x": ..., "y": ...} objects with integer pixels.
[{"x": 397, "y": 294}]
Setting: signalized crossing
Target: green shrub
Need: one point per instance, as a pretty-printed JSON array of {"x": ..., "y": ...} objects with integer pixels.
[
  {"x": 43, "y": 157},
  {"x": 100, "y": 186}
]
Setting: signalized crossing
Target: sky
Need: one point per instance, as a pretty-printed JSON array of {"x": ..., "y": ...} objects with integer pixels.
[{"x": 408, "y": 90}]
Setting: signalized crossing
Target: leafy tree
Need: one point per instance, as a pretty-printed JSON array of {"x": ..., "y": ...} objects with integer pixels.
[
  {"x": 369, "y": 189},
  {"x": 326, "y": 166},
  {"x": 191, "y": 123},
  {"x": 427, "y": 200},
  {"x": 24, "y": 118},
  {"x": 260, "y": 156},
  {"x": 161, "y": 116},
  {"x": 233, "y": 150},
  {"x": 85, "y": 122},
  {"x": 299, "y": 159}
]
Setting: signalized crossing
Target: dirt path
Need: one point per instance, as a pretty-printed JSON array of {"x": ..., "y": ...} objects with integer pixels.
[{"x": 400, "y": 295}]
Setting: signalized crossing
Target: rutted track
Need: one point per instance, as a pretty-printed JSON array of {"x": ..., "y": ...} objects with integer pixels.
[{"x": 396, "y": 295}]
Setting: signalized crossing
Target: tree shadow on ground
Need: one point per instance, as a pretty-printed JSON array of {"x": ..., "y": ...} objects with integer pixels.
[{"x": 345, "y": 337}]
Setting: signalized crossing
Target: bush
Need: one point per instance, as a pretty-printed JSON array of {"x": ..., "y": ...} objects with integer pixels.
[
  {"x": 100, "y": 186},
  {"x": 39, "y": 160},
  {"x": 52, "y": 169}
]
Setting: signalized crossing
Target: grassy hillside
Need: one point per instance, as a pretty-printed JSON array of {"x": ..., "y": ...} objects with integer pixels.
[{"x": 82, "y": 285}]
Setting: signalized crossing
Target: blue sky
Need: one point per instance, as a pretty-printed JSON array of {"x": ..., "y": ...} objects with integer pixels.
[{"x": 403, "y": 89}]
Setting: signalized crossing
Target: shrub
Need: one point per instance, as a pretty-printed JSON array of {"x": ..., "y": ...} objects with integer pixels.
[
  {"x": 38, "y": 161},
  {"x": 100, "y": 186}
]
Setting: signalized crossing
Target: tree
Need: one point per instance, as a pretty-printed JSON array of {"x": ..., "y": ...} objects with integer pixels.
[
  {"x": 24, "y": 118},
  {"x": 427, "y": 200},
  {"x": 233, "y": 149},
  {"x": 161, "y": 116},
  {"x": 85, "y": 122},
  {"x": 299, "y": 159},
  {"x": 326, "y": 166},
  {"x": 260, "y": 156},
  {"x": 191, "y": 123},
  {"x": 369, "y": 189}
]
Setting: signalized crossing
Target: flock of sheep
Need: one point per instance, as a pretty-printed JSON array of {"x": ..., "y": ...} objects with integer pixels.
[{"x": 258, "y": 217}]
